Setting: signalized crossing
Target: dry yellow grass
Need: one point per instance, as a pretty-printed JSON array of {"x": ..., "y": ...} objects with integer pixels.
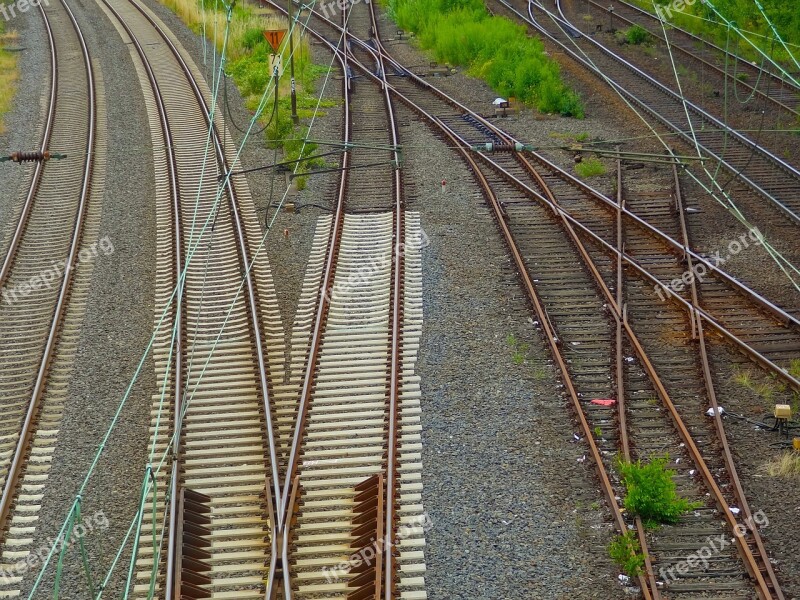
[
  {"x": 8, "y": 76},
  {"x": 787, "y": 465},
  {"x": 193, "y": 15}
]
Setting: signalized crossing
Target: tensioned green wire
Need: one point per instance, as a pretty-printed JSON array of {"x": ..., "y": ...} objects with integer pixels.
[
  {"x": 769, "y": 248},
  {"x": 777, "y": 36},
  {"x": 209, "y": 137},
  {"x": 745, "y": 31},
  {"x": 728, "y": 204}
]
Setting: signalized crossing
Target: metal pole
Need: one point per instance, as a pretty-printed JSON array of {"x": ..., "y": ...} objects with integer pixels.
[{"x": 295, "y": 118}]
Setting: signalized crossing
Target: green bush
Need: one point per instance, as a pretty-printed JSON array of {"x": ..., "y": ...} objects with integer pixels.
[
  {"x": 626, "y": 551},
  {"x": 461, "y": 32},
  {"x": 651, "y": 492},
  {"x": 590, "y": 167},
  {"x": 637, "y": 35},
  {"x": 252, "y": 38}
]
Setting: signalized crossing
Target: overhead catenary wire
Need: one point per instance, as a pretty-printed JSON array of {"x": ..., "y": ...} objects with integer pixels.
[
  {"x": 713, "y": 190},
  {"x": 779, "y": 259}
]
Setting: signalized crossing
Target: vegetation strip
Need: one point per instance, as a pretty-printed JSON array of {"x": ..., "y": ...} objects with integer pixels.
[
  {"x": 493, "y": 48},
  {"x": 249, "y": 64}
]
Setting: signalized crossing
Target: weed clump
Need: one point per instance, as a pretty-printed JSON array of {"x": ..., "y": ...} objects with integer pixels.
[
  {"x": 636, "y": 35},
  {"x": 627, "y": 553},
  {"x": 651, "y": 492},
  {"x": 590, "y": 167},
  {"x": 462, "y": 32}
]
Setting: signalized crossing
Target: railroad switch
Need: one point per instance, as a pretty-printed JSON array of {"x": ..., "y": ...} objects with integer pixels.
[
  {"x": 783, "y": 412},
  {"x": 19, "y": 157}
]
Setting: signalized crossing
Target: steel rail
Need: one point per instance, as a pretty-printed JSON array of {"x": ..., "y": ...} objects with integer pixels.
[
  {"x": 714, "y": 47},
  {"x": 541, "y": 312},
  {"x": 27, "y": 431},
  {"x": 699, "y": 334},
  {"x": 619, "y": 370},
  {"x": 697, "y": 457},
  {"x": 687, "y": 304},
  {"x": 688, "y": 53},
  {"x": 172, "y": 586},
  {"x": 765, "y": 154},
  {"x": 685, "y": 434},
  {"x": 27, "y": 206},
  {"x": 776, "y": 312},
  {"x": 395, "y": 364}
]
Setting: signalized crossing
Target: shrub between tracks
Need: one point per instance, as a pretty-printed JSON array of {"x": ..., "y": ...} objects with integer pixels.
[
  {"x": 651, "y": 491},
  {"x": 248, "y": 64},
  {"x": 493, "y": 48}
]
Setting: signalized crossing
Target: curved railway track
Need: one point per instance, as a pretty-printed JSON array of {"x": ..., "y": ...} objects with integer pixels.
[
  {"x": 521, "y": 226},
  {"x": 218, "y": 369},
  {"x": 780, "y": 94},
  {"x": 768, "y": 175},
  {"x": 45, "y": 279}
]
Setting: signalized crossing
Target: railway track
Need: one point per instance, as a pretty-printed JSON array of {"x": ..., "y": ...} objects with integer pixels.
[
  {"x": 354, "y": 463},
  {"x": 747, "y": 162},
  {"x": 588, "y": 377},
  {"x": 779, "y": 93},
  {"x": 45, "y": 278},
  {"x": 218, "y": 369},
  {"x": 272, "y": 485}
]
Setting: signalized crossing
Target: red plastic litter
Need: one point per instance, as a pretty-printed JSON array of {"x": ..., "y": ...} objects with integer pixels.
[{"x": 604, "y": 401}]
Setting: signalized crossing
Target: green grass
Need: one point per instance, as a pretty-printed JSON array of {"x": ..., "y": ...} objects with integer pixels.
[
  {"x": 590, "y": 167},
  {"x": 651, "y": 492},
  {"x": 783, "y": 14},
  {"x": 248, "y": 55},
  {"x": 627, "y": 553},
  {"x": 518, "y": 349},
  {"x": 636, "y": 35},
  {"x": 494, "y": 49}
]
